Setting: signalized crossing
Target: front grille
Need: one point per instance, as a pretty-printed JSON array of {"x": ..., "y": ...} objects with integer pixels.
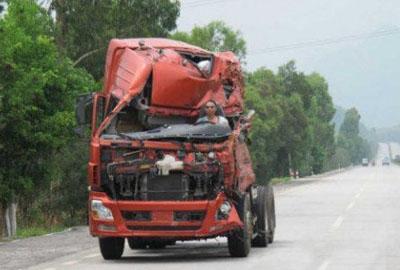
[
  {"x": 189, "y": 215},
  {"x": 136, "y": 215},
  {"x": 164, "y": 228}
]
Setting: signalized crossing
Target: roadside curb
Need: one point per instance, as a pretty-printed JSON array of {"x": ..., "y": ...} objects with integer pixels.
[
  {"x": 283, "y": 186},
  {"x": 329, "y": 173},
  {"x": 6, "y": 240}
]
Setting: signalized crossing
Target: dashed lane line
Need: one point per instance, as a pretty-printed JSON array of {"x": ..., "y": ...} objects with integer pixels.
[
  {"x": 338, "y": 222},
  {"x": 70, "y": 262},
  {"x": 351, "y": 205},
  {"x": 91, "y": 255},
  {"x": 324, "y": 265}
]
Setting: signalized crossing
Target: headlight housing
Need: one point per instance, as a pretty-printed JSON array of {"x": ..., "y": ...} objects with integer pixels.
[
  {"x": 224, "y": 210},
  {"x": 99, "y": 211}
]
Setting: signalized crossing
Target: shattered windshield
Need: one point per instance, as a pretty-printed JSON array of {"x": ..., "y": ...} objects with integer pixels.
[{"x": 182, "y": 131}]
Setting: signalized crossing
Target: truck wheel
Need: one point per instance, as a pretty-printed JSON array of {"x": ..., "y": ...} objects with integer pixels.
[
  {"x": 271, "y": 213},
  {"x": 239, "y": 241},
  {"x": 111, "y": 247},
  {"x": 137, "y": 243},
  {"x": 260, "y": 209}
]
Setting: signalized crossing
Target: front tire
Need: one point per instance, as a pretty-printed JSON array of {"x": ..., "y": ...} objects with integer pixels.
[
  {"x": 111, "y": 248},
  {"x": 239, "y": 241}
]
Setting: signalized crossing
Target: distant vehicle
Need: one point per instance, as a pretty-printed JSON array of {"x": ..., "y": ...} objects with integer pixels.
[
  {"x": 364, "y": 162},
  {"x": 385, "y": 161},
  {"x": 373, "y": 163}
]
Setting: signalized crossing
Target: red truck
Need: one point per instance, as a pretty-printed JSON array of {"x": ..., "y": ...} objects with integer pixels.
[{"x": 157, "y": 175}]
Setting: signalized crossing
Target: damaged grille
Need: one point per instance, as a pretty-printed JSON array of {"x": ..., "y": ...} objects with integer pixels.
[
  {"x": 168, "y": 187},
  {"x": 128, "y": 174}
]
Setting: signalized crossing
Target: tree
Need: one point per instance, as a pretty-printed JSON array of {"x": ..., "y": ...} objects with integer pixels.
[
  {"x": 349, "y": 138},
  {"x": 350, "y": 125},
  {"x": 295, "y": 128},
  {"x": 321, "y": 114},
  {"x": 292, "y": 128},
  {"x": 261, "y": 95},
  {"x": 215, "y": 36},
  {"x": 37, "y": 91},
  {"x": 84, "y": 28}
]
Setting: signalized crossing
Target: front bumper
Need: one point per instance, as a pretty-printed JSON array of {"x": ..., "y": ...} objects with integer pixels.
[{"x": 162, "y": 223}]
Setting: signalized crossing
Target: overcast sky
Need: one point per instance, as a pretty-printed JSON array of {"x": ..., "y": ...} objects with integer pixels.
[{"x": 363, "y": 73}]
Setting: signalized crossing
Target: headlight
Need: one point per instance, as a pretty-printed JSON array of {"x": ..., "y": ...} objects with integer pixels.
[
  {"x": 224, "y": 210},
  {"x": 99, "y": 211}
]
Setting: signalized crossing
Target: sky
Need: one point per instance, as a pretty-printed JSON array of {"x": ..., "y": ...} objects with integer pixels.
[{"x": 361, "y": 72}]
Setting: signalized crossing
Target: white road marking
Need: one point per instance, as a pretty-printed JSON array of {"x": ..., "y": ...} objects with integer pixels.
[
  {"x": 50, "y": 268},
  {"x": 351, "y": 205},
  {"x": 338, "y": 222},
  {"x": 324, "y": 265},
  {"x": 358, "y": 195},
  {"x": 70, "y": 262},
  {"x": 92, "y": 255}
]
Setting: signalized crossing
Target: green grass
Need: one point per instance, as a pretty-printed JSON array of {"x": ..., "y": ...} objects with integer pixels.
[
  {"x": 38, "y": 230},
  {"x": 278, "y": 180}
]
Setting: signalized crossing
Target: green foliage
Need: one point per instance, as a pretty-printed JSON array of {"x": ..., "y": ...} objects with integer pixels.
[
  {"x": 350, "y": 125},
  {"x": 292, "y": 128},
  {"x": 215, "y": 36},
  {"x": 70, "y": 183},
  {"x": 349, "y": 139},
  {"x": 38, "y": 87},
  {"x": 86, "y": 27}
]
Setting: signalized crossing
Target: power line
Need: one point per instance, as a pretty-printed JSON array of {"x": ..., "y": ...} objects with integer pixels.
[
  {"x": 199, "y": 3},
  {"x": 327, "y": 41}
]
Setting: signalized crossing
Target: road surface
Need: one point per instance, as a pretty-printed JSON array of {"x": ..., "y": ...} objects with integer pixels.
[{"x": 348, "y": 220}]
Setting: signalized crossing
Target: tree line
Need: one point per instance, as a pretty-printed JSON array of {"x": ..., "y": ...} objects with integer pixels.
[{"x": 51, "y": 53}]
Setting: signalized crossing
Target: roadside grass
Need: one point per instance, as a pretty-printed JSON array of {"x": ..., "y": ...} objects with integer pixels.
[
  {"x": 279, "y": 180},
  {"x": 38, "y": 230}
]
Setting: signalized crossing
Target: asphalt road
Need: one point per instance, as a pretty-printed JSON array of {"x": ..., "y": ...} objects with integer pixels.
[{"x": 348, "y": 220}]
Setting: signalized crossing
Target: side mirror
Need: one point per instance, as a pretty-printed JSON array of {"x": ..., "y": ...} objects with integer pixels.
[
  {"x": 83, "y": 109},
  {"x": 250, "y": 115}
]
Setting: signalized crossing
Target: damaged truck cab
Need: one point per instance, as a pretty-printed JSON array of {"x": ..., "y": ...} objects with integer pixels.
[{"x": 155, "y": 174}]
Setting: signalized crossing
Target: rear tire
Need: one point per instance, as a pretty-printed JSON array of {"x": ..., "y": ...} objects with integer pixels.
[
  {"x": 271, "y": 218},
  {"x": 239, "y": 241},
  {"x": 260, "y": 209},
  {"x": 111, "y": 248}
]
